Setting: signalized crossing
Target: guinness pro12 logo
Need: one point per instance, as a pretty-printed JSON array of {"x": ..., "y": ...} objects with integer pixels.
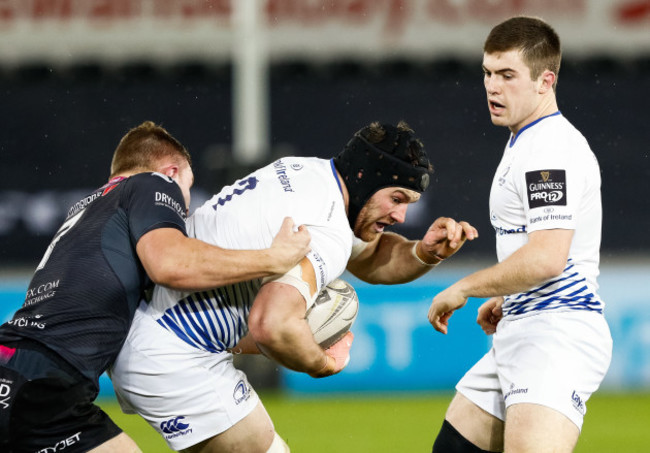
[{"x": 546, "y": 188}]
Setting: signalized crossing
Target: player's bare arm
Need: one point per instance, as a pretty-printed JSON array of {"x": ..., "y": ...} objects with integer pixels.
[
  {"x": 173, "y": 260},
  {"x": 543, "y": 257},
  {"x": 278, "y": 326},
  {"x": 392, "y": 259}
]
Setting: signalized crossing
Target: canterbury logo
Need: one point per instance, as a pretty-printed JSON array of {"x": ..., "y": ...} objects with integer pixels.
[
  {"x": 174, "y": 425},
  {"x": 545, "y": 175}
]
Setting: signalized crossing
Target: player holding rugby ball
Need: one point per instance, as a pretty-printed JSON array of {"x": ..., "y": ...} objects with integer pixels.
[{"x": 176, "y": 367}]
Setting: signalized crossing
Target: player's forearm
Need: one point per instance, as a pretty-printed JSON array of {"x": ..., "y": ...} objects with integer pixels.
[
  {"x": 292, "y": 345},
  {"x": 198, "y": 266},
  {"x": 523, "y": 270},
  {"x": 393, "y": 262}
]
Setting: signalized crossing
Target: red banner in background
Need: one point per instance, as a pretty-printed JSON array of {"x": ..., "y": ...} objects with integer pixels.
[{"x": 119, "y": 30}]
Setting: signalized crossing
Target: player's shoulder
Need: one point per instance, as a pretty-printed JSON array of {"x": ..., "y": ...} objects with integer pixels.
[
  {"x": 153, "y": 182},
  {"x": 559, "y": 129},
  {"x": 310, "y": 177},
  {"x": 557, "y": 138},
  {"x": 307, "y": 167}
]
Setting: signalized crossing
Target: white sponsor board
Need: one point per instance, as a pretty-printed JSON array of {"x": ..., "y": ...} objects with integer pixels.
[{"x": 62, "y": 31}]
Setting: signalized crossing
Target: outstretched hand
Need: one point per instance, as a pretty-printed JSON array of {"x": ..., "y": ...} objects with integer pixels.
[
  {"x": 445, "y": 237},
  {"x": 289, "y": 246}
]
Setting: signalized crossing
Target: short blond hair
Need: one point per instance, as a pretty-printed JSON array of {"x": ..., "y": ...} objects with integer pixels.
[{"x": 144, "y": 146}]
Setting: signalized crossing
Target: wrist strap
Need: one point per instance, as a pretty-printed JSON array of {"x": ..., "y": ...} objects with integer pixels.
[{"x": 420, "y": 260}]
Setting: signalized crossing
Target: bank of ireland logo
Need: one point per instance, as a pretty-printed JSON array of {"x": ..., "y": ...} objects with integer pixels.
[
  {"x": 242, "y": 392},
  {"x": 174, "y": 425}
]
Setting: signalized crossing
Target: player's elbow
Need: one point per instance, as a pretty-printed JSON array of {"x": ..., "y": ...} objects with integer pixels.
[
  {"x": 551, "y": 267},
  {"x": 263, "y": 330},
  {"x": 171, "y": 274}
]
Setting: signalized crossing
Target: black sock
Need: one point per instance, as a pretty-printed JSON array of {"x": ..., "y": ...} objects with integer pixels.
[{"x": 449, "y": 440}]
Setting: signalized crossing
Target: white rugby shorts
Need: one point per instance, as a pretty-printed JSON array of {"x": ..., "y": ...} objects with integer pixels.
[
  {"x": 555, "y": 359},
  {"x": 186, "y": 394}
]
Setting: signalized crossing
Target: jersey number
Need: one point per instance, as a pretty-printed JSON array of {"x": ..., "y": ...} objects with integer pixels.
[
  {"x": 247, "y": 184},
  {"x": 67, "y": 226}
]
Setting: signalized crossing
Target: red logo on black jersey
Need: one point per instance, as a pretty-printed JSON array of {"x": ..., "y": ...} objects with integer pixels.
[{"x": 108, "y": 189}]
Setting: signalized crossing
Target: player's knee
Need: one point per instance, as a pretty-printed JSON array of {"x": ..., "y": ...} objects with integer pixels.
[
  {"x": 278, "y": 445},
  {"x": 449, "y": 440}
]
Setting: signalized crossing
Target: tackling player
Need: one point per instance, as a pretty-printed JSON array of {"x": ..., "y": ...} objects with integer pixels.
[
  {"x": 176, "y": 367},
  {"x": 552, "y": 346},
  {"x": 85, "y": 290}
]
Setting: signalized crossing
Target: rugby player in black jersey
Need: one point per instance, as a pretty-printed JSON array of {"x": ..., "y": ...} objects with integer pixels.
[{"x": 116, "y": 241}]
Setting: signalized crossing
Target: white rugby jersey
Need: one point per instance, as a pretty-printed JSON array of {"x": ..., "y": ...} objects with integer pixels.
[
  {"x": 549, "y": 178},
  {"x": 247, "y": 215}
]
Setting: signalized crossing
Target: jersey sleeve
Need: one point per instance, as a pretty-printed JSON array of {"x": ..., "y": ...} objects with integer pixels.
[
  {"x": 330, "y": 251},
  {"x": 155, "y": 201},
  {"x": 551, "y": 188}
]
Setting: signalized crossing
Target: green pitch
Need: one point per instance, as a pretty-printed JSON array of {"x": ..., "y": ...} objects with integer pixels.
[{"x": 408, "y": 424}]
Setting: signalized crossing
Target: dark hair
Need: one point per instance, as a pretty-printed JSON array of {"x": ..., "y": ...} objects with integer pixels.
[
  {"x": 144, "y": 146},
  {"x": 538, "y": 42}
]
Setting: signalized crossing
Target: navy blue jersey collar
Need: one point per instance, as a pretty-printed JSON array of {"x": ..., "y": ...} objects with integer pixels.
[
  {"x": 514, "y": 138},
  {"x": 336, "y": 176}
]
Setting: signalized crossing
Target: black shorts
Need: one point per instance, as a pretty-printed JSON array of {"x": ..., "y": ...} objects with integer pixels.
[{"x": 46, "y": 405}]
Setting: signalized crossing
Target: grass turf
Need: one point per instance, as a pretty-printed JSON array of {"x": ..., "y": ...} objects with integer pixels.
[{"x": 614, "y": 422}]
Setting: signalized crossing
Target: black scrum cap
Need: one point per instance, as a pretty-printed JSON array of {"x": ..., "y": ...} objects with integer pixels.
[{"x": 397, "y": 160}]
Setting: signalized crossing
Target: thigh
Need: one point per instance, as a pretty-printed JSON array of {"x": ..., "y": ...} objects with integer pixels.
[
  {"x": 482, "y": 386},
  {"x": 539, "y": 429},
  {"x": 474, "y": 424},
  {"x": 477, "y": 411},
  {"x": 253, "y": 434}
]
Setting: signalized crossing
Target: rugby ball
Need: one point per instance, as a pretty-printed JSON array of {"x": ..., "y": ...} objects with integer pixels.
[{"x": 333, "y": 312}]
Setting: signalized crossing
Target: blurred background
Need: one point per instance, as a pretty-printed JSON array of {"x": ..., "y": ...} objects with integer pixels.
[{"x": 243, "y": 82}]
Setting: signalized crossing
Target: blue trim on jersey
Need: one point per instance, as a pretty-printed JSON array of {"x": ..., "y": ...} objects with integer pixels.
[
  {"x": 567, "y": 291},
  {"x": 335, "y": 175},
  {"x": 514, "y": 138},
  {"x": 213, "y": 320}
]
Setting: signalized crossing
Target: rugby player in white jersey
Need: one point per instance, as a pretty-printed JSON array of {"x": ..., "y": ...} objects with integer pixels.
[
  {"x": 552, "y": 345},
  {"x": 176, "y": 366}
]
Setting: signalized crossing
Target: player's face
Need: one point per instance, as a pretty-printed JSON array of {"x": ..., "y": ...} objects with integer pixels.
[
  {"x": 513, "y": 98},
  {"x": 386, "y": 207}
]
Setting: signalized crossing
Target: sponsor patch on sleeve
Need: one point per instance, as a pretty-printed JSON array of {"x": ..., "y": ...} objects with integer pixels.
[{"x": 546, "y": 188}]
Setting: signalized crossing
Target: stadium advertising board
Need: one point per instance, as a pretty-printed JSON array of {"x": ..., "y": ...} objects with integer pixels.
[{"x": 396, "y": 350}]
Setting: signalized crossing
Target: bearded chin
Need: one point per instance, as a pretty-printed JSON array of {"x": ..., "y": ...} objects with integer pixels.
[{"x": 363, "y": 232}]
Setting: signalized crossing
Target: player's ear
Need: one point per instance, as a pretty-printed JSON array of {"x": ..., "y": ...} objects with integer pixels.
[
  {"x": 547, "y": 81},
  {"x": 171, "y": 171}
]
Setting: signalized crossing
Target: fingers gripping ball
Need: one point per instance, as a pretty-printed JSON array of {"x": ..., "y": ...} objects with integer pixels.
[{"x": 333, "y": 312}]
